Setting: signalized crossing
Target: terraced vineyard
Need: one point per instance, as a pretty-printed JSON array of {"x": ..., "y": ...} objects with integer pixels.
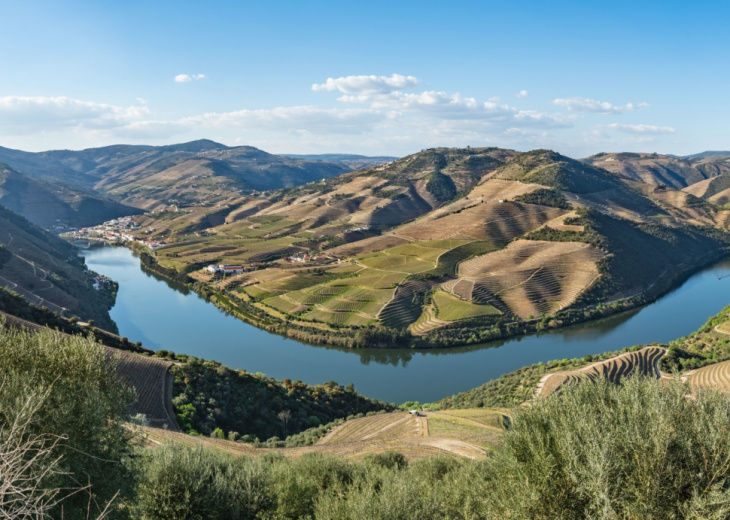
[
  {"x": 642, "y": 361},
  {"x": 715, "y": 376},
  {"x": 152, "y": 382},
  {"x": 426, "y": 322},
  {"x": 402, "y": 310},
  {"x": 383, "y": 227},
  {"x": 465, "y": 433},
  {"x": 498, "y": 223},
  {"x": 529, "y": 277},
  {"x": 383, "y": 427}
]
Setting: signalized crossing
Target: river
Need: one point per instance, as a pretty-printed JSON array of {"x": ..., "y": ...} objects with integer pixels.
[{"x": 163, "y": 316}]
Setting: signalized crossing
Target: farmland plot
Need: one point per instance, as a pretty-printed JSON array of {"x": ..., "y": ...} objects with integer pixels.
[
  {"x": 403, "y": 310},
  {"x": 495, "y": 222},
  {"x": 530, "y": 277},
  {"x": 452, "y": 309}
]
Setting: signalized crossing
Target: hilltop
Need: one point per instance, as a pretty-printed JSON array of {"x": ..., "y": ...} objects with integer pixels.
[
  {"x": 197, "y": 172},
  {"x": 442, "y": 247}
]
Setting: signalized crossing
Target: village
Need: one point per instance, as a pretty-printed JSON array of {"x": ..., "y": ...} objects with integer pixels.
[{"x": 116, "y": 231}]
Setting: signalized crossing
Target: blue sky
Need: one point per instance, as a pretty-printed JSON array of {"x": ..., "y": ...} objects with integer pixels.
[{"x": 377, "y": 78}]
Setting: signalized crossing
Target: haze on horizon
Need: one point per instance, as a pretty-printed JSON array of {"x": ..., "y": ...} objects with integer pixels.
[{"x": 380, "y": 78}]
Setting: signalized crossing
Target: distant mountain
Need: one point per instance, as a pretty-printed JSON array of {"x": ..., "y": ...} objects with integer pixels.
[
  {"x": 707, "y": 154},
  {"x": 50, "y": 204},
  {"x": 354, "y": 162},
  {"x": 41, "y": 167},
  {"x": 652, "y": 168},
  {"x": 197, "y": 172},
  {"x": 48, "y": 272}
]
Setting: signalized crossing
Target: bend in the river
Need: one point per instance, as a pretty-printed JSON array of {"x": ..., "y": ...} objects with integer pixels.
[{"x": 161, "y": 315}]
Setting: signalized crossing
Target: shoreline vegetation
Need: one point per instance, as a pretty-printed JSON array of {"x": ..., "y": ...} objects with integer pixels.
[{"x": 462, "y": 333}]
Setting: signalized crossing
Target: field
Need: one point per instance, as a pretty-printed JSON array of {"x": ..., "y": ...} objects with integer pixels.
[
  {"x": 644, "y": 361},
  {"x": 450, "y": 308},
  {"x": 403, "y": 309},
  {"x": 426, "y": 322},
  {"x": 715, "y": 376},
  {"x": 382, "y": 228},
  {"x": 497, "y": 222},
  {"x": 152, "y": 382},
  {"x": 530, "y": 277},
  {"x": 465, "y": 433}
]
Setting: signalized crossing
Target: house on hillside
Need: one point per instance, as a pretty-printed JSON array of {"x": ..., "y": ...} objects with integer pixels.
[{"x": 230, "y": 269}]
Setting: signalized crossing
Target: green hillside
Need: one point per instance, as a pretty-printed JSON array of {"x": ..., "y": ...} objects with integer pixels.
[{"x": 557, "y": 171}]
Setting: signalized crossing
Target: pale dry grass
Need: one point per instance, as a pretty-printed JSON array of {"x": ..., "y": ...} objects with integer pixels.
[
  {"x": 560, "y": 225},
  {"x": 496, "y": 189},
  {"x": 496, "y": 222},
  {"x": 721, "y": 198},
  {"x": 358, "y": 438},
  {"x": 531, "y": 277},
  {"x": 713, "y": 377},
  {"x": 698, "y": 189}
]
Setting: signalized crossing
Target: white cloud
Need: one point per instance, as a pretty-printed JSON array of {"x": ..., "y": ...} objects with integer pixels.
[
  {"x": 643, "y": 129},
  {"x": 187, "y": 78},
  {"x": 20, "y": 114},
  {"x": 367, "y": 84},
  {"x": 522, "y": 94},
  {"x": 580, "y": 104}
]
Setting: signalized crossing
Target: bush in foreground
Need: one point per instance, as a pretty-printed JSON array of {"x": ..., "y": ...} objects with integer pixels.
[
  {"x": 640, "y": 450},
  {"x": 61, "y": 403}
]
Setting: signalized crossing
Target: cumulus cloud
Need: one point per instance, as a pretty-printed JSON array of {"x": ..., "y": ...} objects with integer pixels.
[
  {"x": 522, "y": 94},
  {"x": 367, "y": 84},
  {"x": 580, "y": 104},
  {"x": 187, "y": 78},
  {"x": 643, "y": 129},
  {"x": 40, "y": 114}
]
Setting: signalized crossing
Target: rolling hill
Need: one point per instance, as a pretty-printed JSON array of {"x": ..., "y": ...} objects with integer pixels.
[
  {"x": 446, "y": 246},
  {"x": 47, "y": 272},
  {"x": 183, "y": 174},
  {"x": 48, "y": 205},
  {"x": 667, "y": 170}
]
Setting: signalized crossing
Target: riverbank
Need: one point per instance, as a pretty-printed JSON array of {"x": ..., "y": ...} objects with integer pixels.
[
  {"x": 461, "y": 333},
  {"x": 166, "y": 315}
]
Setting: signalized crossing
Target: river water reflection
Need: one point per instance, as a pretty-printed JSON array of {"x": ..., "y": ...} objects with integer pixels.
[{"x": 161, "y": 315}]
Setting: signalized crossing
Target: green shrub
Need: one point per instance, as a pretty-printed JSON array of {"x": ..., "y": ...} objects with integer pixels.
[
  {"x": 77, "y": 413},
  {"x": 196, "y": 483},
  {"x": 639, "y": 450}
]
